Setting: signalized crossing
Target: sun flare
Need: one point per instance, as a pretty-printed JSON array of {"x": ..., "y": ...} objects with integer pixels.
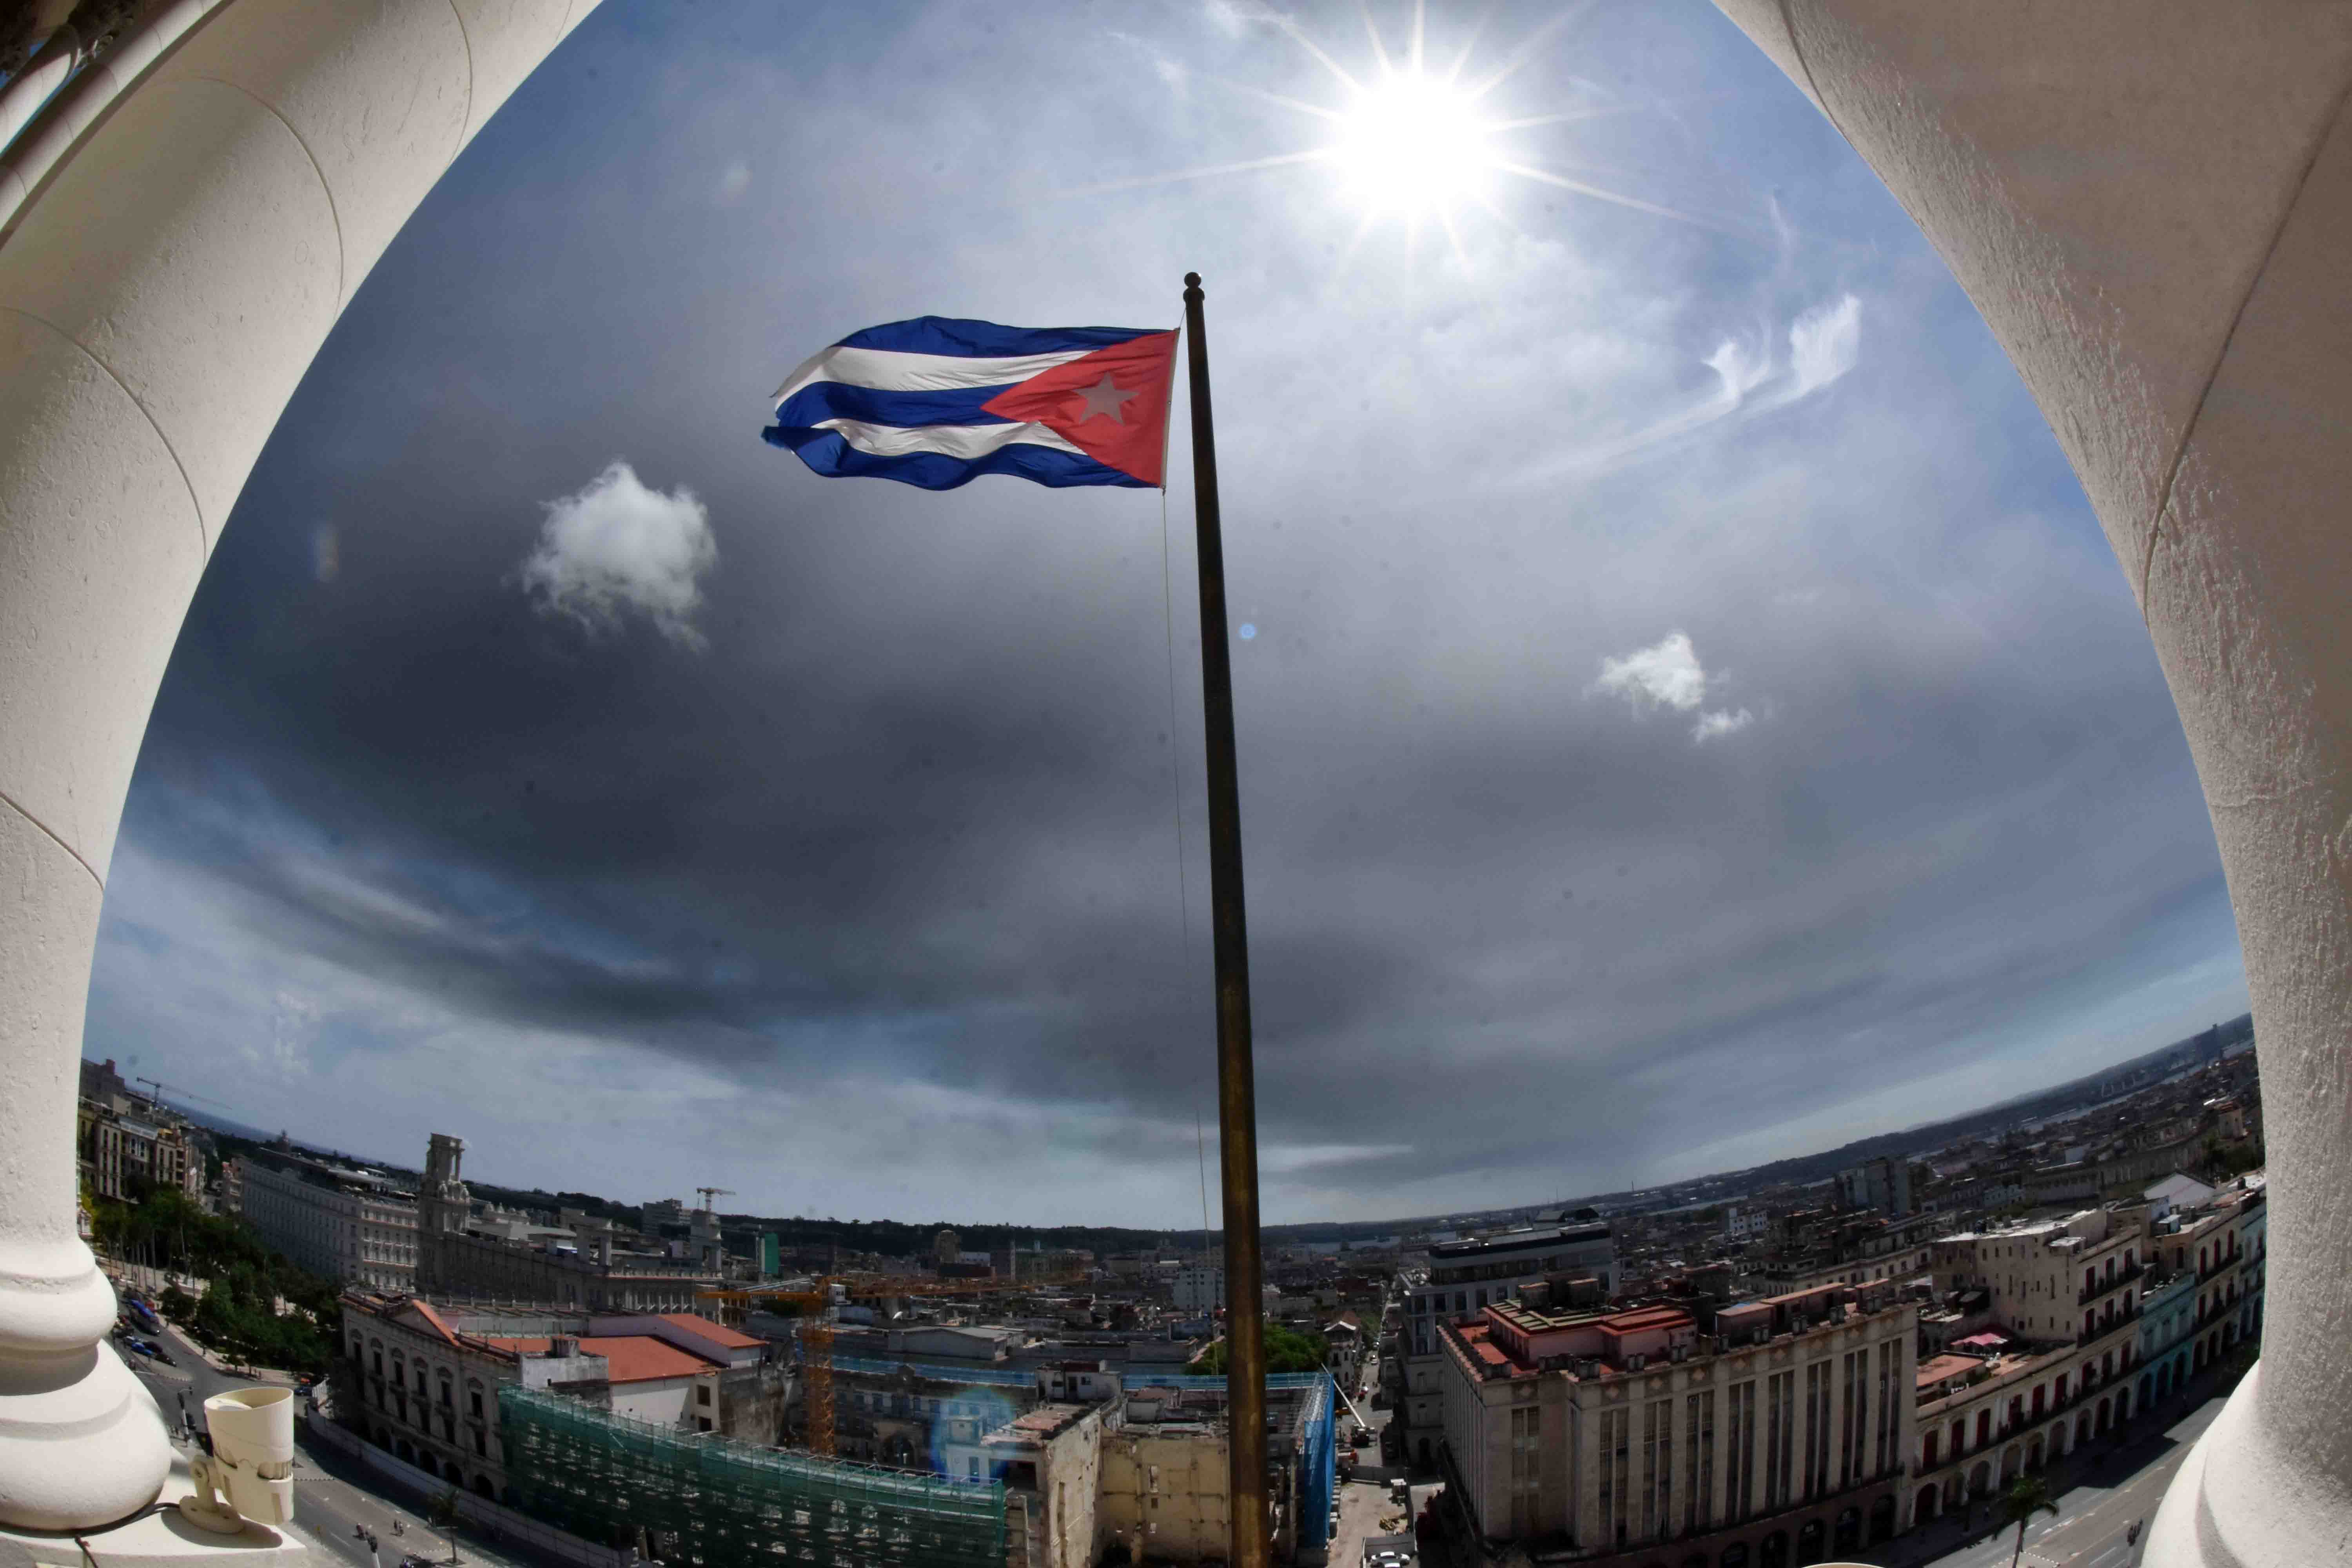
[{"x": 1412, "y": 145}]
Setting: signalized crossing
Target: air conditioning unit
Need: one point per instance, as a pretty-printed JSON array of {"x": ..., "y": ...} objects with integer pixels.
[{"x": 1636, "y": 1362}]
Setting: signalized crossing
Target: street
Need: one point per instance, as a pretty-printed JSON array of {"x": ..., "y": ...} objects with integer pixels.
[
  {"x": 2095, "y": 1515},
  {"x": 332, "y": 1497}
]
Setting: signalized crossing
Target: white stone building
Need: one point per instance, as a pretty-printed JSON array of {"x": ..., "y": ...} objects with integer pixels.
[
  {"x": 351, "y": 1226},
  {"x": 1609, "y": 1437}
]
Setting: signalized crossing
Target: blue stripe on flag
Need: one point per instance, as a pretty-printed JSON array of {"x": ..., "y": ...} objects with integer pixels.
[
  {"x": 986, "y": 339},
  {"x": 823, "y": 400},
  {"x": 827, "y": 453}
]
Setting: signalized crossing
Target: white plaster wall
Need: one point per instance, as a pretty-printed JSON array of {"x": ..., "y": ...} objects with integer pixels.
[
  {"x": 2152, "y": 206},
  {"x": 662, "y": 1402},
  {"x": 162, "y": 288}
]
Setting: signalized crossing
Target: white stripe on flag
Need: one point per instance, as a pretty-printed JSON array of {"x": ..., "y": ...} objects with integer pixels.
[
  {"x": 964, "y": 441},
  {"x": 891, "y": 369}
]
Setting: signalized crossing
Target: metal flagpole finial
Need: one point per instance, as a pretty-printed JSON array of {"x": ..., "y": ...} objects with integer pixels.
[{"x": 1192, "y": 287}]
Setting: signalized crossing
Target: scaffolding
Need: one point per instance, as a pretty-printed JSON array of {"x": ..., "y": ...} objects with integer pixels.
[{"x": 714, "y": 1502}]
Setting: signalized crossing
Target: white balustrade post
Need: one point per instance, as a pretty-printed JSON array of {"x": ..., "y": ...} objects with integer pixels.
[{"x": 2152, "y": 207}]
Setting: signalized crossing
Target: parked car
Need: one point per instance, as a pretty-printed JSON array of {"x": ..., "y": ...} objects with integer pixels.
[
  {"x": 160, "y": 1353},
  {"x": 133, "y": 1341}
]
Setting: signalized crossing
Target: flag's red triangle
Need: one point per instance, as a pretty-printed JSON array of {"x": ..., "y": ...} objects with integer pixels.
[{"x": 1112, "y": 405}]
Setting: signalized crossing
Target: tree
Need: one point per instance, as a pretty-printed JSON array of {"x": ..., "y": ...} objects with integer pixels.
[
  {"x": 2025, "y": 1498},
  {"x": 1285, "y": 1351},
  {"x": 444, "y": 1518}
]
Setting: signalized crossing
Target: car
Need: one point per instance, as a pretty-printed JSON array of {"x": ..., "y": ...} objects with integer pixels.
[
  {"x": 133, "y": 1341},
  {"x": 160, "y": 1353}
]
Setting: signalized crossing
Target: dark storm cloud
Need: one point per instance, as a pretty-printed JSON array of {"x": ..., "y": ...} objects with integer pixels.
[{"x": 864, "y": 896}]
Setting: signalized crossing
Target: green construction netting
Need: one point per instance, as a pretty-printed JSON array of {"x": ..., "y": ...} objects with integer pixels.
[{"x": 715, "y": 1502}]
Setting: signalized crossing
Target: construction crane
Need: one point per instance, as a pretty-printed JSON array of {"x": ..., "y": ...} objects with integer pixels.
[
  {"x": 711, "y": 1194},
  {"x": 159, "y": 1088},
  {"x": 816, "y": 1326}
]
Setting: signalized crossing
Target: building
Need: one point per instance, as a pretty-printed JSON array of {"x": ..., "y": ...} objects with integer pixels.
[
  {"x": 1463, "y": 1280},
  {"x": 947, "y": 1246},
  {"x": 339, "y": 1222},
  {"x": 2224, "y": 1244},
  {"x": 1883, "y": 1184},
  {"x": 120, "y": 1155},
  {"x": 1200, "y": 1287},
  {"x": 1603, "y": 1436},
  {"x": 1738, "y": 1226},
  {"x": 1992, "y": 1412},
  {"x": 2168, "y": 1321},
  {"x": 2051, "y": 1280},
  {"x": 590, "y": 1265},
  {"x": 422, "y": 1382}
]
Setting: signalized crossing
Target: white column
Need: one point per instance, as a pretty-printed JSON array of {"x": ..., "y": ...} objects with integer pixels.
[
  {"x": 159, "y": 297},
  {"x": 2152, "y": 206}
]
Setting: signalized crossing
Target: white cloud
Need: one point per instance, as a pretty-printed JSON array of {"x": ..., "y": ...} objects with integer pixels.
[
  {"x": 1823, "y": 345},
  {"x": 1667, "y": 674},
  {"x": 616, "y": 544},
  {"x": 733, "y": 183},
  {"x": 1721, "y": 722},
  {"x": 1740, "y": 369}
]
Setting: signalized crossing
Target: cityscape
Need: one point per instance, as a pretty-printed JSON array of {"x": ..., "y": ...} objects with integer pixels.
[
  {"x": 1749, "y": 1370},
  {"x": 1175, "y": 783}
]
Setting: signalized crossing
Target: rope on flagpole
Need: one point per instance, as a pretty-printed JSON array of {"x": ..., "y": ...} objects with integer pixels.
[{"x": 1176, "y": 796}]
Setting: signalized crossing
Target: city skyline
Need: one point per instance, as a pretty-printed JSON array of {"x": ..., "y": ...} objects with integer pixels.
[{"x": 1762, "y": 741}]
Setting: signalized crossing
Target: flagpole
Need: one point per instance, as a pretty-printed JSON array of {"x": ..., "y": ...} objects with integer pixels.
[{"x": 1236, "y": 1075}]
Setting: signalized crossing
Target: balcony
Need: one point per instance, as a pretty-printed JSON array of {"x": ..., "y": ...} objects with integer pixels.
[{"x": 2103, "y": 1287}]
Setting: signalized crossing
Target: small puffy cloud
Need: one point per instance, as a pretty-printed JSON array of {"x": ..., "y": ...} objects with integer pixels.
[
  {"x": 1719, "y": 722},
  {"x": 1667, "y": 674},
  {"x": 617, "y": 545},
  {"x": 1824, "y": 344}
]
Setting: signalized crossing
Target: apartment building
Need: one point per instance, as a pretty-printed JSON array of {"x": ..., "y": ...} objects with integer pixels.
[
  {"x": 2050, "y": 1279},
  {"x": 1463, "y": 1280},
  {"x": 121, "y": 1155},
  {"x": 340, "y": 1223},
  {"x": 422, "y": 1382},
  {"x": 1780, "y": 1432},
  {"x": 2224, "y": 1244}
]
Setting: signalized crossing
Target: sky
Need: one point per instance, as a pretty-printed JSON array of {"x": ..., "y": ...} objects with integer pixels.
[{"x": 1687, "y": 711}]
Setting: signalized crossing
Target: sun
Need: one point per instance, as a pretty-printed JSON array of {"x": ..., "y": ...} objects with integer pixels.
[{"x": 1413, "y": 145}]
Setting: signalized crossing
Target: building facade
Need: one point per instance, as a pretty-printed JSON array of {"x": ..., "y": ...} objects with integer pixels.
[
  {"x": 599, "y": 1274},
  {"x": 1463, "y": 1280},
  {"x": 343, "y": 1224},
  {"x": 422, "y": 1382},
  {"x": 1631, "y": 1437},
  {"x": 122, "y": 1155}
]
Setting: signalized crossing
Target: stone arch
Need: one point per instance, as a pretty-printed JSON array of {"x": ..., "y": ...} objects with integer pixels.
[
  {"x": 2236, "y": 566},
  {"x": 1847, "y": 1535},
  {"x": 404, "y": 1451},
  {"x": 1926, "y": 1506},
  {"x": 1882, "y": 1518},
  {"x": 2099, "y": 1426},
  {"x": 1813, "y": 1542},
  {"x": 483, "y": 1489},
  {"x": 2012, "y": 1460},
  {"x": 1980, "y": 1480},
  {"x": 1773, "y": 1552},
  {"x": 1733, "y": 1556}
]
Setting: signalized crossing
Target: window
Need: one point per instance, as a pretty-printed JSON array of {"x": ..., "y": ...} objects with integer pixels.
[
  {"x": 702, "y": 1423},
  {"x": 702, "y": 1393}
]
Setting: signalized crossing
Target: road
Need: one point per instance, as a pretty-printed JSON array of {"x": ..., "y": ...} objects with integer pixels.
[
  {"x": 332, "y": 1497},
  {"x": 2095, "y": 1515}
]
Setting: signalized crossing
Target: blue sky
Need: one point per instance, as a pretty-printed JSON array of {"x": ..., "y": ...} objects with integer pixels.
[{"x": 1691, "y": 714}]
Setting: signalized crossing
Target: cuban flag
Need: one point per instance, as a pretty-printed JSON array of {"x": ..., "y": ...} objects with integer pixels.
[{"x": 937, "y": 403}]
